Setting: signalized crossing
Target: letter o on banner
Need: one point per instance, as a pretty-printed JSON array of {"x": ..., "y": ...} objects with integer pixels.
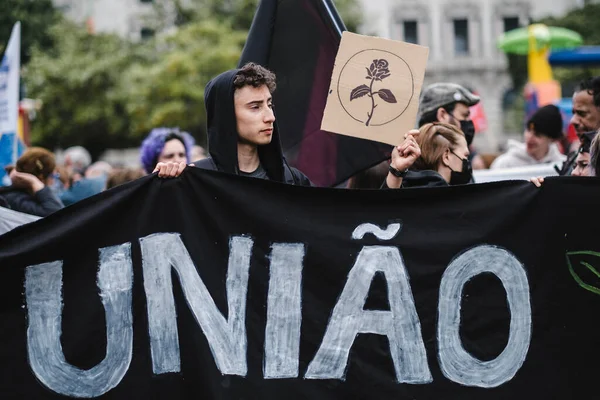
[{"x": 455, "y": 362}]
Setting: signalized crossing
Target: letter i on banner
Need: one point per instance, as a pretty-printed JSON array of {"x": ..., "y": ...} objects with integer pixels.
[{"x": 9, "y": 99}]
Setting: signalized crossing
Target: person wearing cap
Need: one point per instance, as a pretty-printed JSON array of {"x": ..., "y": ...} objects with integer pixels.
[
  {"x": 543, "y": 131},
  {"x": 446, "y": 103},
  {"x": 450, "y": 103}
]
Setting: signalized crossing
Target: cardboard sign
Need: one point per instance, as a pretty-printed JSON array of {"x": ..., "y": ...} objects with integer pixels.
[{"x": 375, "y": 88}]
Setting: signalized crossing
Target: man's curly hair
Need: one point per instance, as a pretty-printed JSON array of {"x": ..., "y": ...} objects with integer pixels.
[
  {"x": 254, "y": 75},
  {"x": 592, "y": 87}
]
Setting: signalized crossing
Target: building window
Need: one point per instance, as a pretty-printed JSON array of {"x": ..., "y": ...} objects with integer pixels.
[
  {"x": 410, "y": 32},
  {"x": 510, "y": 23},
  {"x": 146, "y": 33},
  {"x": 461, "y": 37}
]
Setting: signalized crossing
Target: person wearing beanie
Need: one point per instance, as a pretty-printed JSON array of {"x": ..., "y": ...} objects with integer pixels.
[{"x": 543, "y": 131}]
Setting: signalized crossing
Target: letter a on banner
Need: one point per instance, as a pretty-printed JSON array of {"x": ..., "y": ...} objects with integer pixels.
[{"x": 9, "y": 100}]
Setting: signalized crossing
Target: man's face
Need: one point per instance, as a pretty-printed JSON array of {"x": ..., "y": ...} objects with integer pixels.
[
  {"x": 582, "y": 163},
  {"x": 461, "y": 112},
  {"x": 586, "y": 116},
  {"x": 254, "y": 115},
  {"x": 537, "y": 145}
]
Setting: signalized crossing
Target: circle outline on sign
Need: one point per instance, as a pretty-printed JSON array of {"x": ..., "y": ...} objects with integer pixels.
[{"x": 412, "y": 81}]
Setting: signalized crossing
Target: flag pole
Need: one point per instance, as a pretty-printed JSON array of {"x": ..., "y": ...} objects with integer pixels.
[{"x": 17, "y": 66}]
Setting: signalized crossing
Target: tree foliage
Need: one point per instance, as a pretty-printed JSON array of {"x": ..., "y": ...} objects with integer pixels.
[
  {"x": 169, "y": 90},
  {"x": 102, "y": 91},
  {"x": 36, "y": 16},
  {"x": 237, "y": 13},
  {"x": 351, "y": 13},
  {"x": 78, "y": 81},
  {"x": 583, "y": 21}
]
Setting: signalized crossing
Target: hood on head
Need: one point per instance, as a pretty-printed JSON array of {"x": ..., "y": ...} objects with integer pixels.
[{"x": 222, "y": 130}]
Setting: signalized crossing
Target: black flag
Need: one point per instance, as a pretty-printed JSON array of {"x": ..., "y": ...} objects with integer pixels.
[{"x": 298, "y": 40}]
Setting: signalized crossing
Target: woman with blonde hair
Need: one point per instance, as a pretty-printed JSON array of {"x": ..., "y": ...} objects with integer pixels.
[{"x": 435, "y": 155}]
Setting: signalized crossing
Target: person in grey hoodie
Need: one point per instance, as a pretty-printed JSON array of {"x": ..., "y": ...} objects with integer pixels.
[{"x": 541, "y": 135}]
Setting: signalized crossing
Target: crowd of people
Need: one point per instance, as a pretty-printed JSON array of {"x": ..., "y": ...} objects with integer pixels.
[
  {"x": 41, "y": 186},
  {"x": 243, "y": 139}
]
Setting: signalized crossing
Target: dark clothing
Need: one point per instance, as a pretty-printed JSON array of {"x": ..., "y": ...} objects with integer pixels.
[
  {"x": 291, "y": 175},
  {"x": 258, "y": 173},
  {"x": 420, "y": 179},
  {"x": 223, "y": 136},
  {"x": 42, "y": 203}
]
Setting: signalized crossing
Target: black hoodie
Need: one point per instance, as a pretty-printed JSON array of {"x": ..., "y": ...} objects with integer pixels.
[
  {"x": 223, "y": 136},
  {"x": 426, "y": 178}
]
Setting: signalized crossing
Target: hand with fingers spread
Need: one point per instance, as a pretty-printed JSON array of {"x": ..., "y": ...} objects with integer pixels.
[
  {"x": 403, "y": 157},
  {"x": 169, "y": 169}
]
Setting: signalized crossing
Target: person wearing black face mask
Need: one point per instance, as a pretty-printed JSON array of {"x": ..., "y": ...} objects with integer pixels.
[
  {"x": 443, "y": 158},
  {"x": 450, "y": 103},
  {"x": 465, "y": 174},
  {"x": 468, "y": 128}
]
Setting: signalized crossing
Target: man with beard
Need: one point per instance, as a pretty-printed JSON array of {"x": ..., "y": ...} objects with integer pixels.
[{"x": 585, "y": 120}]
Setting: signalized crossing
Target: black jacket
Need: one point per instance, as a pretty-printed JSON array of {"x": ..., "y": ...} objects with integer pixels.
[
  {"x": 425, "y": 178},
  {"x": 223, "y": 136},
  {"x": 42, "y": 203}
]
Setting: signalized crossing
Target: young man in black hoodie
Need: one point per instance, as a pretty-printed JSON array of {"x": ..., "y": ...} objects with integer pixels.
[{"x": 242, "y": 135}]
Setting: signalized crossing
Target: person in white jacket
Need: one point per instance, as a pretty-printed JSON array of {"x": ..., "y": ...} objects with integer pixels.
[{"x": 543, "y": 131}]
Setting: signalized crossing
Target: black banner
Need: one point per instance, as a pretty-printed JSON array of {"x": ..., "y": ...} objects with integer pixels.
[{"x": 212, "y": 286}]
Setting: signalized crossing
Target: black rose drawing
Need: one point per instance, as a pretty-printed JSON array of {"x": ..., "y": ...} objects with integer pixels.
[{"x": 378, "y": 71}]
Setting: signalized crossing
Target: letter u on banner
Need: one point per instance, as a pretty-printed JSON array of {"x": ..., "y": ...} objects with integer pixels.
[
  {"x": 43, "y": 284},
  {"x": 456, "y": 363}
]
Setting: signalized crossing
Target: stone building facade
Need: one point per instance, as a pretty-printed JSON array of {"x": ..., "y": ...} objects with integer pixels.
[
  {"x": 127, "y": 18},
  {"x": 461, "y": 36}
]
